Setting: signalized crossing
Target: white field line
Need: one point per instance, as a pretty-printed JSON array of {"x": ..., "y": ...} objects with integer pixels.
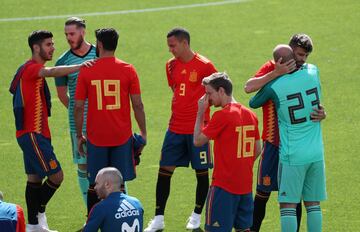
[{"x": 166, "y": 8}]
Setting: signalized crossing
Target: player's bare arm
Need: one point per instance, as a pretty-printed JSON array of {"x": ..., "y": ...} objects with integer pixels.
[
  {"x": 63, "y": 70},
  {"x": 139, "y": 113},
  {"x": 258, "y": 148},
  {"x": 78, "y": 116},
  {"x": 256, "y": 83},
  {"x": 318, "y": 114},
  {"x": 62, "y": 93},
  {"x": 199, "y": 138}
]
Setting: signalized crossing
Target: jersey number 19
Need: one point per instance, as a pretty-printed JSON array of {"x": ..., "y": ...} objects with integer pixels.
[{"x": 111, "y": 88}]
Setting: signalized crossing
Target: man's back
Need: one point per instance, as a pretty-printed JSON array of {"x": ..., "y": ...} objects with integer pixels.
[
  {"x": 234, "y": 130},
  {"x": 118, "y": 212},
  {"x": 295, "y": 96},
  {"x": 108, "y": 86}
]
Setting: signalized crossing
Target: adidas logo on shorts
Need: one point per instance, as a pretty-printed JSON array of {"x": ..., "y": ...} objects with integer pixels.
[
  {"x": 216, "y": 224},
  {"x": 126, "y": 210}
]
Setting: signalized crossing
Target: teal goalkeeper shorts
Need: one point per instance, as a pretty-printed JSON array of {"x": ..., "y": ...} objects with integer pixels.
[
  {"x": 301, "y": 182},
  {"x": 77, "y": 158}
]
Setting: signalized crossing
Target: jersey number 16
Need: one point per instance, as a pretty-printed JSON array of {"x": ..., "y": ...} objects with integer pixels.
[{"x": 245, "y": 141}]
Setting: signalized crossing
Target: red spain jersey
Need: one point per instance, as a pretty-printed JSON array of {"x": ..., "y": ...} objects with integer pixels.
[
  {"x": 35, "y": 110},
  {"x": 234, "y": 130},
  {"x": 185, "y": 79},
  {"x": 270, "y": 122},
  {"x": 108, "y": 85}
]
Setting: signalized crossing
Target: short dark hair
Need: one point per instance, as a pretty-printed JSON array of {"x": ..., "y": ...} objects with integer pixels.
[
  {"x": 108, "y": 37},
  {"x": 37, "y": 37},
  {"x": 217, "y": 80},
  {"x": 180, "y": 34},
  {"x": 75, "y": 21},
  {"x": 301, "y": 40}
]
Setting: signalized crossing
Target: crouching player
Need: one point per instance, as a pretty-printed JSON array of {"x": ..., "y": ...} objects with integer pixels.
[
  {"x": 117, "y": 211},
  {"x": 234, "y": 130}
]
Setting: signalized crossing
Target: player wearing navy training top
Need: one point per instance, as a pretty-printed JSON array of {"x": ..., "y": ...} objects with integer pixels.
[
  {"x": 11, "y": 217},
  {"x": 80, "y": 51},
  {"x": 301, "y": 168},
  {"x": 117, "y": 211}
]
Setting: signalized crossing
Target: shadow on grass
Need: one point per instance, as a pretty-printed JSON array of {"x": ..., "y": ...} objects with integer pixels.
[{"x": 195, "y": 230}]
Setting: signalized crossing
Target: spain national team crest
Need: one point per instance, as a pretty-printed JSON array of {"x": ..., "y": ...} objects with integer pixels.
[
  {"x": 266, "y": 180},
  {"x": 193, "y": 76},
  {"x": 53, "y": 164}
]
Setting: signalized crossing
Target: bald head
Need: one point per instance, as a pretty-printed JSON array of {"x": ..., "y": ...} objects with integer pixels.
[
  {"x": 112, "y": 176},
  {"x": 283, "y": 51}
]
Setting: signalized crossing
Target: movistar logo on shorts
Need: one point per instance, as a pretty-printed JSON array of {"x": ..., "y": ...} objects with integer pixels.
[{"x": 126, "y": 210}]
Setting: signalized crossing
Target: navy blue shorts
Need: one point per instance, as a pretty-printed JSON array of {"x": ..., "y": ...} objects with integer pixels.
[
  {"x": 39, "y": 157},
  {"x": 268, "y": 168},
  {"x": 120, "y": 157},
  {"x": 225, "y": 211},
  {"x": 179, "y": 150}
]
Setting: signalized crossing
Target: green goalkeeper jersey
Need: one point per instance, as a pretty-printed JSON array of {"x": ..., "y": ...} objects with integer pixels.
[
  {"x": 70, "y": 58},
  {"x": 295, "y": 95}
]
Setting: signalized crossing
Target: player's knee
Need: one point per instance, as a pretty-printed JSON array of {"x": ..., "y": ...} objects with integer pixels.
[
  {"x": 261, "y": 195},
  {"x": 288, "y": 205},
  {"x": 169, "y": 169},
  {"x": 164, "y": 174},
  {"x": 202, "y": 172},
  {"x": 311, "y": 203},
  {"x": 57, "y": 178},
  {"x": 33, "y": 179},
  {"x": 82, "y": 167}
]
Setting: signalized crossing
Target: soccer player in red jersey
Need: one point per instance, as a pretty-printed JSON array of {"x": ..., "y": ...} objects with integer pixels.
[
  {"x": 109, "y": 86},
  {"x": 234, "y": 130},
  {"x": 31, "y": 104},
  {"x": 268, "y": 164},
  {"x": 185, "y": 72}
]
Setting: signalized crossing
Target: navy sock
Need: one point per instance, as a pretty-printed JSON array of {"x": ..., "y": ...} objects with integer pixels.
[
  {"x": 202, "y": 188},
  {"x": 261, "y": 198},
  {"x": 92, "y": 198},
  {"x": 33, "y": 196},
  {"x": 162, "y": 190},
  {"x": 48, "y": 189}
]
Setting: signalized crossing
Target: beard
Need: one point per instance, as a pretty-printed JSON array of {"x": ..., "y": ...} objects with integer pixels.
[
  {"x": 299, "y": 64},
  {"x": 97, "y": 51},
  {"x": 78, "y": 44},
  {"x": 43, "y": 55}
]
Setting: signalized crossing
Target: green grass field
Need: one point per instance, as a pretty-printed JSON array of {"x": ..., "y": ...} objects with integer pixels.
[{"x": 238, "y": 38}]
